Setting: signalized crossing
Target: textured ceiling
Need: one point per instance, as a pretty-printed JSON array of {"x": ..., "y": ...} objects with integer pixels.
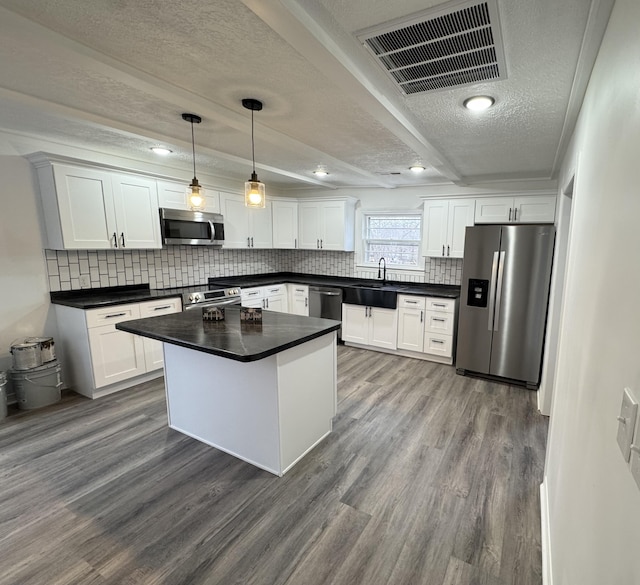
[{"x": 114, "y": 76}]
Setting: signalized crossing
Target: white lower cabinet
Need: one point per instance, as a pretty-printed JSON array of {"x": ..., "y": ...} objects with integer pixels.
[
  {"x": 270, "y": 298},
  {"x": 153, "y": 354},
  {"x": 99, "y": 359},
  {"x": 411, "y": 323},
  {"x": 370, "y": 326},
  {"x": 298, "y": 299}
]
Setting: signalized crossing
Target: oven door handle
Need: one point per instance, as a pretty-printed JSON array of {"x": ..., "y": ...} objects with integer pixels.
[{"x": 233, "y": 301}]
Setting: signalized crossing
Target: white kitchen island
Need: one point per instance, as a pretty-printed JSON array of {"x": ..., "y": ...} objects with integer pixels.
[{"x": 263, "y": 393}]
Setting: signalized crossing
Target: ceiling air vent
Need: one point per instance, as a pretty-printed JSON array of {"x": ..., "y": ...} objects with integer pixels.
[{"x": 451, "y": 46}]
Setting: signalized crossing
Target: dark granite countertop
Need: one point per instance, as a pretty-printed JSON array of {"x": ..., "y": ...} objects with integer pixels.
[
  {"x": 93, "y": 298},
  {"x": 230, "y": 338},
  {"x": 116, "y": 295},
  {"x": 412, "y": 288}
]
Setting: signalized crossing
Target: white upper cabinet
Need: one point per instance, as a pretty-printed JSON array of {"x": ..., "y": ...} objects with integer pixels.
[
  {"x": 285, "y": 223},
  {"x": 327, "y": 225},
  {"x": 444, "y": 225},
  {"x": 91, "y": 209},
  {"x": 525, "y": 209},
  {"x": 137, "y": 218},
  {"x": 173, "y": 195},
  {"x": 245, "y": 227}
]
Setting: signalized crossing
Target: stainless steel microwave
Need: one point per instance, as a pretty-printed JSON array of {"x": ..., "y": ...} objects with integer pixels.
[{"x": 192, "y": 228}]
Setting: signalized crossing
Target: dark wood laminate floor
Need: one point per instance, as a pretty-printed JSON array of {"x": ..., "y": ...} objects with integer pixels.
[{"x": 428, "y": 478}]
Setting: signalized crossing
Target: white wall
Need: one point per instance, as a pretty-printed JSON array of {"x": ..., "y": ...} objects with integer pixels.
[
  {"x": 24, "y": 292},
  {"x": 593, "y": 501}
]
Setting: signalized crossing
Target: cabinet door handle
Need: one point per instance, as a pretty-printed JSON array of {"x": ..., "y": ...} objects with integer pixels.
[
  {"x": 421, "y": 316},
  {"x": 162, "y": 308},
  {"x": 295, "y": 242},
  {"x": 267, "y": 303},
  {"x": 320, "y": 243},
  {"x": 115, "y": 240},
  {"x": 252, "y": 241},
  {"x": 443, "y": 249},
  {"x": 248, "y": 242},
  {"x": 515, "y": 214},
  {"x": 114, "y": 315},
  {"x": 448, "y": 253},
  {"x": 509, "y": 213},
  {"x": 306, "y": 302},
  {"x": 122, "y": 239}
]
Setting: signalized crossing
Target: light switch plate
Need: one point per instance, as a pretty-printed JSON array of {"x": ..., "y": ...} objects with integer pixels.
[{"x": 627, "y": 423}]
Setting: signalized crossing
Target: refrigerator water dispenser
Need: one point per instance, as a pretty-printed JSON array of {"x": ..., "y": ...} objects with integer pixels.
[{"x": 477, "y": 292}]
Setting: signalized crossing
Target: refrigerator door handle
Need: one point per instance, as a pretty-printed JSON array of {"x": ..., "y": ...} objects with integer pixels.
[
  {"x": 492, "y": 288},
  {"x": 496, "y": 321}
]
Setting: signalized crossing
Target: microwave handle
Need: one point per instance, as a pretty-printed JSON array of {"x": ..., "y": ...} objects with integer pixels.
[{"x": 213, "y": 229}]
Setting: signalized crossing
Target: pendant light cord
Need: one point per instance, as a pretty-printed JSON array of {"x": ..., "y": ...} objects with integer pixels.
[
  {"x": 253, "y": 147},
  {"x": 193, "y": 150}
]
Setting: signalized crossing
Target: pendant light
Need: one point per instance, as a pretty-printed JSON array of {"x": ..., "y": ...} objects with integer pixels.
[
  {"x": 254, "y": 193},
  {"x": 196, "y": 196}
]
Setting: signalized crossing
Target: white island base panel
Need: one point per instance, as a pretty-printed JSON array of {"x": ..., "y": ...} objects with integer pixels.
[{"x": 270, "y": 412}]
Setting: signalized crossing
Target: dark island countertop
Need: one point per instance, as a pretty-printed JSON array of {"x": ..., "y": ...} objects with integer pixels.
[{"x": 230, "y": 338}]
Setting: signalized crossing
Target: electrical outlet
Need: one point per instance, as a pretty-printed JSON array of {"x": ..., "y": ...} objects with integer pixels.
[
  {"x": 627, "y": 423},
  {"x": 85, "y": 281}
]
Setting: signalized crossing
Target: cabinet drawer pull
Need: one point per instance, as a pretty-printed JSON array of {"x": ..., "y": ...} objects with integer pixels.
[
  {"x": 162, "y": 308},
  {"x": 439, "y": 305},
  {"x": 437, "y": 341},
  {"x": 436, "y": 319},
  {"x": 114, "y": 315},
  {"x": 412, "y": 302}
]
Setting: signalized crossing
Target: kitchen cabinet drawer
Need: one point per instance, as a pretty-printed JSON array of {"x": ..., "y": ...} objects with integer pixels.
[
  {"x": 275, "y": 289},
  {"x": 160, "y": 307},
  {"x": 112, "y": 315},
  {"x": 436, "y": 344},
  {"x": 441, "y": 305},
  {"x": 411, "y": 302},
  {"x": 437, "y": 322},
  {"x": 251, "y": 294}
]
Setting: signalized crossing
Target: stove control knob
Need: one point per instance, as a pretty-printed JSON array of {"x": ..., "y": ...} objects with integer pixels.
[{"x": 194, "y": 297}]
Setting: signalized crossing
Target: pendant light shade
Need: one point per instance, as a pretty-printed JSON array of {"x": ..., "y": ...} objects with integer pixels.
[
  {"x": 195, "y": 194},
  {"x": 254, "y": 191}
]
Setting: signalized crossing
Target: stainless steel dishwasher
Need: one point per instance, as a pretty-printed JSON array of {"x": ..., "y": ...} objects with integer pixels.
[{"x": 326, "y": 302}]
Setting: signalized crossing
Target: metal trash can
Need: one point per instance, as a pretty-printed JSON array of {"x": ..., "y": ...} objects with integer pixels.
[
  {"x": 3, "y": 395},
  {"x": 37, "y": 387}
]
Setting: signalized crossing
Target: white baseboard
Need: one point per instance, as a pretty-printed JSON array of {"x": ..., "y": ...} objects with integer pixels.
[{"x": 547, "y": 577}]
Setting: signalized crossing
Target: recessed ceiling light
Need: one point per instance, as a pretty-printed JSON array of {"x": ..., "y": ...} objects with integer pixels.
[
  {"x": 479, "y": 103},
  {"x": 161, "y": 150},
  {"x": 320, "y": 173},
  {"x": 416, "y": 169}
]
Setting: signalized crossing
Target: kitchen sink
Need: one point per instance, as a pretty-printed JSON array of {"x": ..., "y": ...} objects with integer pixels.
[{"x": 370, "y": 295}]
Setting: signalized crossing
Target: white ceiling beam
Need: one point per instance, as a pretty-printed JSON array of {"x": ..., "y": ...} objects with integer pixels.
[{"x": 309, "y": 28}]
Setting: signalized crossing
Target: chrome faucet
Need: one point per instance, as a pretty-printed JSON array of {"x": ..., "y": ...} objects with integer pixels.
[{"x": 382, "y": 273}]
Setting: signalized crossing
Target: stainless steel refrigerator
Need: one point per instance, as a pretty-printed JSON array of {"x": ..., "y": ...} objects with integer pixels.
[{"x": 503, "y": 301}]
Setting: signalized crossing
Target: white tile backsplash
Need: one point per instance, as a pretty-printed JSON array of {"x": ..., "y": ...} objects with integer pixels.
[{"x": 192, "y": 265}]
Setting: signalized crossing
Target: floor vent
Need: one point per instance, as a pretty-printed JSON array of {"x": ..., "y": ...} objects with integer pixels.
[{"x": 453, "y": 45}]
